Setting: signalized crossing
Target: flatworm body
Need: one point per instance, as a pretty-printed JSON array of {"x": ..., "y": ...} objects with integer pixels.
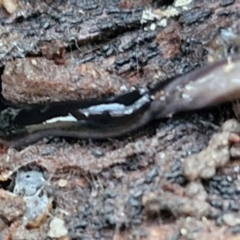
[{"x": 115, "y": 116}]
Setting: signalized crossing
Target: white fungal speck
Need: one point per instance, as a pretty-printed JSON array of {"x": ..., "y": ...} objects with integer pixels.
[
  {"x": 153, "y": 26},
  {"x": 181, "y": 3},
  {"x": 147, "y": 16},
  {"x": 123, "y": 88},
  {"x": 162, "y": 22}
]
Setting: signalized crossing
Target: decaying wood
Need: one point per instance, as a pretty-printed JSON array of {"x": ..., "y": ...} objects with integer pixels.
[
  {"x": 122, "y": 188},
  {"x": 120, "y": 47}
]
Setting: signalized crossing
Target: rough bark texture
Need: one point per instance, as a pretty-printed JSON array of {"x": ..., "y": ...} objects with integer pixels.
[{"x": 136, "y": 187}]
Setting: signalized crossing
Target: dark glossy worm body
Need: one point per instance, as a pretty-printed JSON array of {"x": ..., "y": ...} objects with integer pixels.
[{"x": 211, "y": 85}]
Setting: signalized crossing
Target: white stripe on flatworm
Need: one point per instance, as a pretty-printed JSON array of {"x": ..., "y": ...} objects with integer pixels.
[
  {"x": 115, "y": 109},
  {"x": 68, "y": 118}
]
